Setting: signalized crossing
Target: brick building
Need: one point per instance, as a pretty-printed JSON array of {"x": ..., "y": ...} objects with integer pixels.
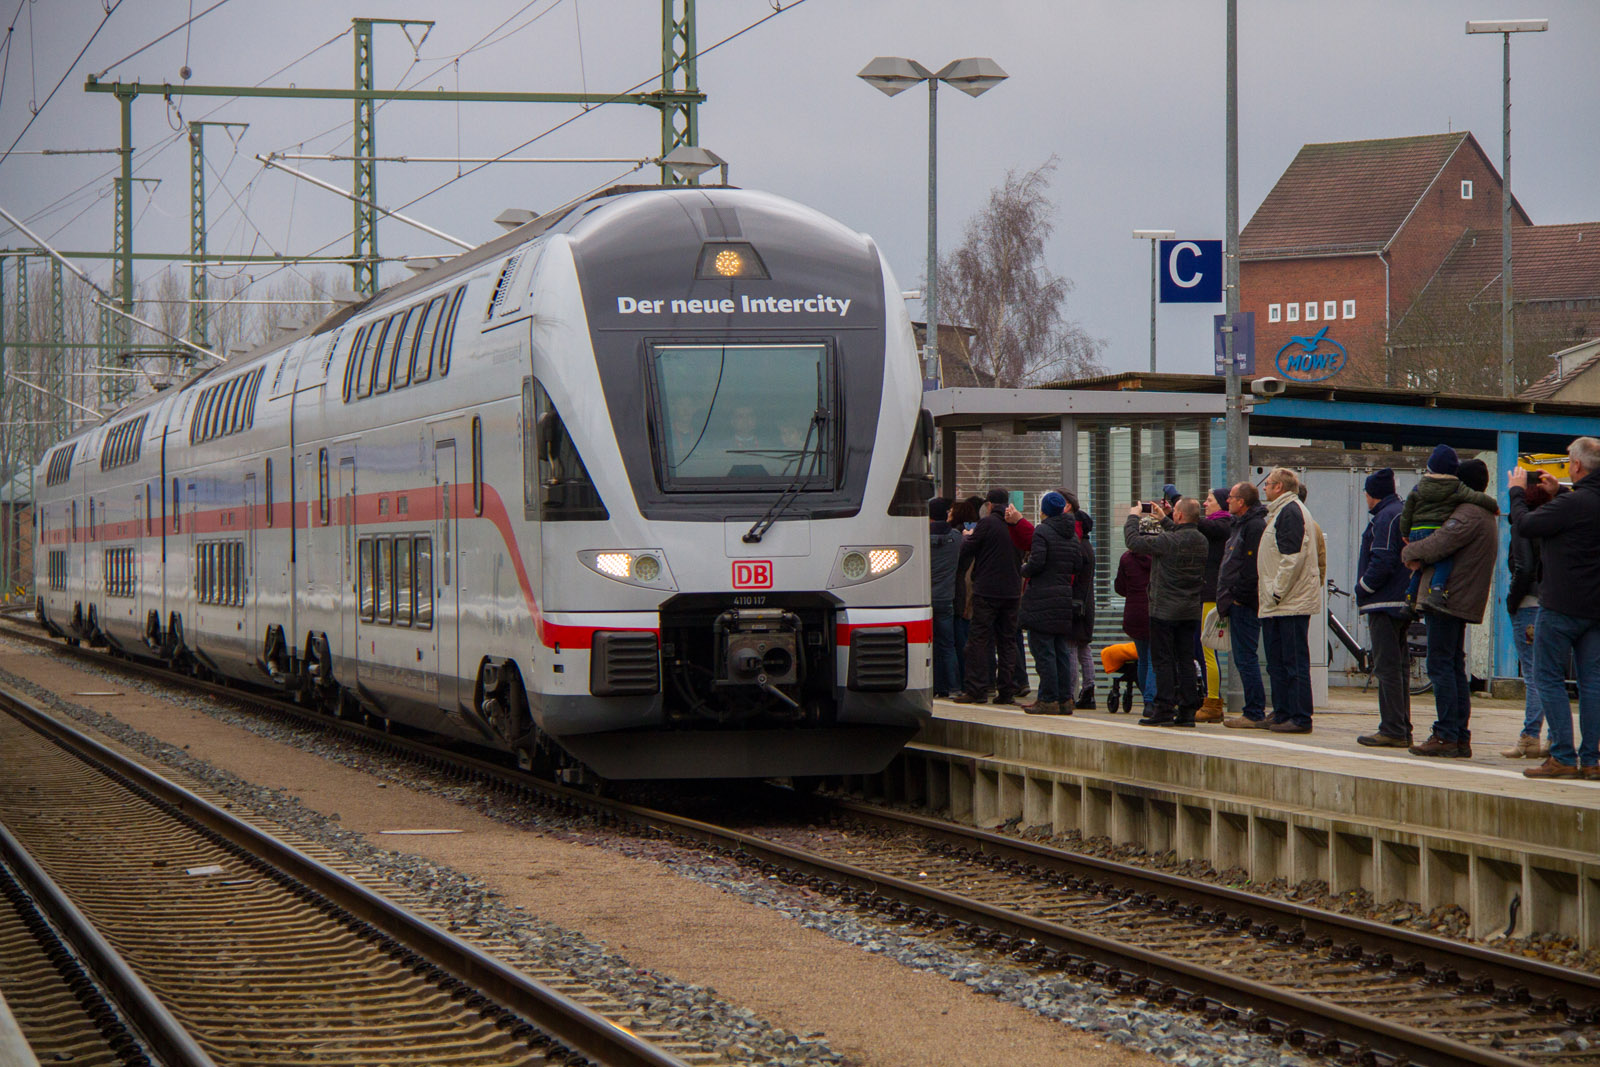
[{"x": 1350, "y": 235}]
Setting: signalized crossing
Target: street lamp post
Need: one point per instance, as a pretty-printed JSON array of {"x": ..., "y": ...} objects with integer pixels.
[
  {"x": 1155, "y": 237},
  {"x": 891, "y": 75},
  {"x": 1506, "y": 27}
]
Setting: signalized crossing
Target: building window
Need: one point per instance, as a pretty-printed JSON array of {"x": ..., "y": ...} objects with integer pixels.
[
  {"x": 1311, "y": 311},
  {"x": 1294, "y": 312},
  {"x": 1330, "y": 309},
  {"x": 1349, "y": 309},
  {"x": 1466, "y": 190},
  {"x": 1274, "y": 312}
]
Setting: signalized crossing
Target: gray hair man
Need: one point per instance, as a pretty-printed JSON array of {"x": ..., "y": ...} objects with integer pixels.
[
  {"x": 1177, "y": 579},
  {"x": 1568, "y": 532},
  {"x": 1289, "y": 581}
]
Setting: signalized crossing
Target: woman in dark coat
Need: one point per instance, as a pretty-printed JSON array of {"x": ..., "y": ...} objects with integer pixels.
[
  {"x": 963, "y": 514},
  {"x": 1048, "y": 605},
  {"x": 1082, "y": 634},
  {"x": 1133, "y": 584}
]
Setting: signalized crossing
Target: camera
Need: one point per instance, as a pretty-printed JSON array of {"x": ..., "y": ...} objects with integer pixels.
[
  {"x": 1533, "y": 478},
  {"x": 1145, "y": 507},
  {"x": 1268, "y": 386}
]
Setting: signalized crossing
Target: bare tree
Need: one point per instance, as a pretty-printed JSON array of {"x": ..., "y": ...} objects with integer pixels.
[{"x": 997, "y": 283}]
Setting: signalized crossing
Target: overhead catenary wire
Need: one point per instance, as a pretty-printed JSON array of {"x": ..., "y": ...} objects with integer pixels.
[
  {"x": 39, "y": 110},
  {"x": 185, "y": 24}
]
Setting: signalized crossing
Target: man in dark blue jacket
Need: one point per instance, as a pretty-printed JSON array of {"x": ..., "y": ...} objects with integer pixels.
[
  {"x": 1568, "y": 531},
  {"x": 944, "y": 548},
  {"x": 996, "y": 588},
  {"x": 1381, "y": 597},
  {"x": 1238, "y": 598}
]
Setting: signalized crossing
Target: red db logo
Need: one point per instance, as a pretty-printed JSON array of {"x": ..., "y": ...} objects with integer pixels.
[{"x": 752, "y": 574}]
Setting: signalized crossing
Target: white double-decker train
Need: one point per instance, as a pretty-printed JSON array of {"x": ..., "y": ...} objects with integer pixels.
[{"x": 639, "y": 486}]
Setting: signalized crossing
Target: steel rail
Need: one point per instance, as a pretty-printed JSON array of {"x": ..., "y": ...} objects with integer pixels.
[
  {"x": 143, "y": 1011},
  {"x": 557, "y": 1015}
]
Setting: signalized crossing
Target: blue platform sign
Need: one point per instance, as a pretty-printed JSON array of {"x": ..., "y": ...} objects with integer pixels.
[
  {"x": 1191, "y": 272},
  {"x": 1244, "y": 343}
]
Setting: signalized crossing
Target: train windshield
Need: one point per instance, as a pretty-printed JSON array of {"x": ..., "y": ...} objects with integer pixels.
[{"x": 742, "y": 416}]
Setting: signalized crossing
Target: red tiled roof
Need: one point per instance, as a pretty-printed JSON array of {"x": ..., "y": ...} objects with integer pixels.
[
  {"x": 1347, "y": 196},
  {"x": 1551, "y": 383},
  {"x": 1560, "y": 262}
]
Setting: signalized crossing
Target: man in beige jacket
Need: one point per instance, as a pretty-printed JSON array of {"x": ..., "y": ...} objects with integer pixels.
[{"x": 1290, "y": 586}]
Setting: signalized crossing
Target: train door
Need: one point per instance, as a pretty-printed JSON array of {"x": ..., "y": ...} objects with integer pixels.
[
  {"x": 344, "y": 600},
  {"x": 251, "y": 589},
  {"x": 447, "y": 602}
]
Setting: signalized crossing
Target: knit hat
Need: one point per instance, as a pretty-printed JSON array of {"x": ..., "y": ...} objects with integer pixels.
[
  {"x": 1169, "y": 492},
  {"x": 1444, "y": 461},
  {"x": 1380, "y": 484},
  {"x": 998, "y": 497},
  {"x": 1475, "y": 474},
  {"x": 1222, "y": 497},
  {"x": 1052, "y": 503}
]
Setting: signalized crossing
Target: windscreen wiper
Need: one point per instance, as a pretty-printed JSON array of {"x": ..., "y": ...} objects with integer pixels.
[{"x": 791, "y": 493}]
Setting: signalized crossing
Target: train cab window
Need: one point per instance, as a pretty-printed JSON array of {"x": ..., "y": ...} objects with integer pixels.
[
  {"x": 477, "y": 465},
  {"x": 364, "y": 576},
  {"x": 383, "y": 587},
  {"x": 564, "y": 490},
  {"x": 741, "y": 417},
  {"x": 402, "y": 581},
  {"x": 322, "y": 485},
  {"x": 427, "y": 335},
  {"x": 422, "y": 582}
]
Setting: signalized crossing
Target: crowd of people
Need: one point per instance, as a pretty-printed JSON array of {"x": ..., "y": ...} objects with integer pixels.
[{"x": 1255, "y": 562}]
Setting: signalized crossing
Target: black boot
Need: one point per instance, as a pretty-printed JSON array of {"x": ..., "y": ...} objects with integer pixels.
[{"x": 1085, "y": 700}]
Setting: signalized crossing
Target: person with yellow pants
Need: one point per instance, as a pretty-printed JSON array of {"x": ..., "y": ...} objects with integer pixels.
[{"x": 1216, "y": 525}]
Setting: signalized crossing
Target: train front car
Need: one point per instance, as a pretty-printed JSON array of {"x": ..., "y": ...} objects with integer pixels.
[{"x": 733, "y": 466}]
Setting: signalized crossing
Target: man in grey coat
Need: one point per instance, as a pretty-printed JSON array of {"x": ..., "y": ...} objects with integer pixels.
[
  {"x": 1177, "y": 579},
  {"x": 1470, "y": 536}
]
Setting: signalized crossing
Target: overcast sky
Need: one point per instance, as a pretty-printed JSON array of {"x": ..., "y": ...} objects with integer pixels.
[{"x": 1128, "y": 94}]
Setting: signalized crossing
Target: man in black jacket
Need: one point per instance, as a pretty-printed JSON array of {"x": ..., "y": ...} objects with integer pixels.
[
  {"x": 944, "y": 548},
  {"x": 1176, "y": 579},
  {"x": 1568, "y": 532},
  {"x": 1238, "y": 593},
  {"x": 996, "y": 588}
]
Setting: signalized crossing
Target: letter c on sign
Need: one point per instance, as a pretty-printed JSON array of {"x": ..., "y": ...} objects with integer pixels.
[{"x": 1172, "y": 264}]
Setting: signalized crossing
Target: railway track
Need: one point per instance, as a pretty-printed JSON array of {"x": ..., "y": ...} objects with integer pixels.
[
  {"x": 1349, "y": 989},
  {"x": 261, "y": 953}
]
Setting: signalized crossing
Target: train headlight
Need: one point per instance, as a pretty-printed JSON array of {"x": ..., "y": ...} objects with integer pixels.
[
  {"x": 867, "y": 562},
  {"x": 645, "y": 567},
  {"x": 720, "y": 260}
]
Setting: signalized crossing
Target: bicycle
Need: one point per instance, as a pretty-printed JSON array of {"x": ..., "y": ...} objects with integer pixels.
[{"x": 1417, "y": 680}]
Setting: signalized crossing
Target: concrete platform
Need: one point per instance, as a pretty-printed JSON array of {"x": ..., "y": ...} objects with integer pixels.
[{"x": 1473, "y": 833}]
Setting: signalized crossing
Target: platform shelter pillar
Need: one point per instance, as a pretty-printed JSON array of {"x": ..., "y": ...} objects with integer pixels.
[{"x": 1503, "y": 661}]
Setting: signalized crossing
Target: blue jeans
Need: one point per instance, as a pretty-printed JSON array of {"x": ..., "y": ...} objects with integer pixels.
[
  {"x": 1288, "y": 641},
  {"x": 1447, "y": 669},
  {"x": 1245, "y": 631},
  {"x": 1022, "y": 661},
  {"x": 946, "y": 678},
  {"x": 1523, "y": 621},
  {"x": 1147, "y": 669},
  {"x": 1053, "y": 656},
  {"x": 1558, "y": 638},
  {"x": 1441, "y": 569}
]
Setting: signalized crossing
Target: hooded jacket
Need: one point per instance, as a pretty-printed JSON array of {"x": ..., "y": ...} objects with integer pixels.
[
  {"x": 944, "y": 549},
  {"x": 1054, "y": 562},
  {"x": 1289, "y": 578},
  {"x": 1179, "y": 570},
  {"x": 1568, "y": 532},
  {"x": 1237, "y": 580},
  {"x": 1383, "y": 581},
  {"x": 1471, "y": 536}
]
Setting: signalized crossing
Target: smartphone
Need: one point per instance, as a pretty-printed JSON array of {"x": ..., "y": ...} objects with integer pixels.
[
  {"x": 1145, "y": 507},
  {"x": 1533, "y": 478}
]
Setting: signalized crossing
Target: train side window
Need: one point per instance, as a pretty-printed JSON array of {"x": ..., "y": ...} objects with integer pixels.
[
  {"x": 74, "y": 520},
  {"x": 225, "y": 572},
  {"x": 238, "y": 573},
  {"x": 404, "y": 352},
  {"x": 448, "y": 331},
  {"x": 249, "y": 418},
  {"x": 269, "y": 490},
  {"x": 422, "y": 582},
  {"x": 350, "y": 361},
  {"x": 91, "y": 515},
  {"x": 384, "y": 586},
  {"x": 477, "y": 465},
  {"x": 383, "y": 365},
  {"x": 378, "y": 366},
  {"x": 233, "y": 422},
  {"x": 402, "y": 581},
  {"x": 364, "y": 576},
  {"x": 371, "y": 358},
  {"x": 149, "y": 511},
  {"x": 427, "y": 338},
  {"x": 565, "y": 491},
  {"x": 322, "y": 485},
  {"x": 530, "y": 454},
  {"x": 177, "y": 522}
]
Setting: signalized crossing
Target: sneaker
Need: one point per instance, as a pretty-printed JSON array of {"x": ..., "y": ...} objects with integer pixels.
[
  {"x": 1288, "y": 728},
  {"x": 1085, "y": 700},
  {"x": 1437, "y": 746},
  {"x": 1042, "y": 707},
  {"x": 1240, "y": 722},
  {"x": 1553, "y": 768},
  {"x": 1383, "y": 741},
  {"x": 969, "y": 698},
  {"x": 1525, "y": 748}
]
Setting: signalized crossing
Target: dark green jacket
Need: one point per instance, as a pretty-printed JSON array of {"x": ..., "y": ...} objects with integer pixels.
[{"x": 1179, "y": 572}]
